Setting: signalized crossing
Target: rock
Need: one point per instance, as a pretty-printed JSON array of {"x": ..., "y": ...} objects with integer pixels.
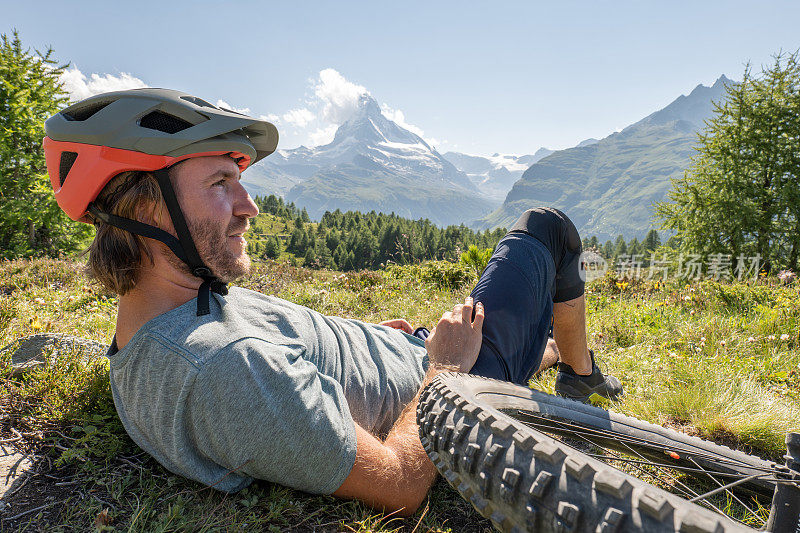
[
  {"x": 13, "y": 468},
  {"x": 32, "y": 351}
]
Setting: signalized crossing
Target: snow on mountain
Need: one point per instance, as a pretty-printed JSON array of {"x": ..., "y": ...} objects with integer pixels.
[
  {"x": 377, "y": 165},
  {"x": 495, "y": 175}
]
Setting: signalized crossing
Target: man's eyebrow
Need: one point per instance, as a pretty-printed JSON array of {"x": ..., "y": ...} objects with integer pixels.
[{"x": 223, "y": 174}]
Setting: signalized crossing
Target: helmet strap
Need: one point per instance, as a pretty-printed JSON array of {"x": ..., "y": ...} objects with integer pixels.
[{"x": 192, "y": 257}]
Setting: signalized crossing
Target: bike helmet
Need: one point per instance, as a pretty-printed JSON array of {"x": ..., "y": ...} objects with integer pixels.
[{"x": 90, "y": 142}]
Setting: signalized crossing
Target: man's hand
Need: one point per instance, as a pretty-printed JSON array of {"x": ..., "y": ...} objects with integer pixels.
[
  {"x": 395, "y": 475},
  {"x": 456, "y": 339},
  {"x": 398, "y": 323}
]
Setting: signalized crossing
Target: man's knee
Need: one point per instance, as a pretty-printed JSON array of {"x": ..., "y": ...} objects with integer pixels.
[
  {"x": 552, "y": 228},
  {"x": 559, "y": 235}
]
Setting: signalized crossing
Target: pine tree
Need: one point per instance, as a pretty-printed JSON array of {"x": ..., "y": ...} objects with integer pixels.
[
  {"x": 651, "y": 241},
  {"x": 31, "y": 222},
  {"x": 310, "y": 258},
  {"x": 608, "y": 249},
  {"x": 296, "y": 242},
  {"x": 272, "y": 248},
  {"x": 740, "y": 195},
  {"x": 620, "y": 247},
  {"x": 634, "y": 248}
]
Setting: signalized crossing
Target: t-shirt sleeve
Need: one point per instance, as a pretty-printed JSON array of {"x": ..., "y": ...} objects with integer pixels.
[{"x": 266, "y": 412}]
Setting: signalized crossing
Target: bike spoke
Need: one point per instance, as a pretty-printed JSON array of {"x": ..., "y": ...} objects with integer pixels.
[
  {"x": 726, "y": 489},
  {"x": 627, "y": 445},
  {"x": 616, "y": 437}
]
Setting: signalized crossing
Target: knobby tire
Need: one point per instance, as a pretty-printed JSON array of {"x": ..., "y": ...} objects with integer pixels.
[{"x": 474, "y": 431}]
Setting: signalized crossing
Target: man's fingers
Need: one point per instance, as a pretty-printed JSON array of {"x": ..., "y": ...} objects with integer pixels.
[
  {"x": 480, "y": 314},
  {"x": 398, "y": 323},
  {"x": 405, "y": 326},
  {"x": 466, "y": 310}
]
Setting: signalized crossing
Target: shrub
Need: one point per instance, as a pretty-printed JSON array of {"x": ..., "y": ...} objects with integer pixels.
[
  {"x": 446, "y": 275},
  {"x": 476, "y": 258}
]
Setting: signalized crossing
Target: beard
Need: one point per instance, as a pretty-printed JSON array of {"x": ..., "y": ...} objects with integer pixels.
[{"x": 212, "y": 244}]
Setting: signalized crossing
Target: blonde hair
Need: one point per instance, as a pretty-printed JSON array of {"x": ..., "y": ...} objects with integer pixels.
[{"x": 116, "y": 255}]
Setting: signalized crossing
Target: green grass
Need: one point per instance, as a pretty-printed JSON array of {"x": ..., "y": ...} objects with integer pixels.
[{"x": 708, "y": 358}]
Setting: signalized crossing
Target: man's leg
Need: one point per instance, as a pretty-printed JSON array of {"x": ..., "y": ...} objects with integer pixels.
[
  {"x": 549, "y": 357},
  {"x": 518, "y": 289},
  {"x": 578, "y": 375},
  {"x": 535, "y": 275},
  {"x": 569, "y": 331},
  {"x": 515, "y": 292}
]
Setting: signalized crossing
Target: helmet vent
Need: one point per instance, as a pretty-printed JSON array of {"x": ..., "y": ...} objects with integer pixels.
[
  {"x": 64, "y": 166},
  {"x": 82, "y": 113},
  {"x": 197, "y": 101},
  {"x": 160, "y": 121}
]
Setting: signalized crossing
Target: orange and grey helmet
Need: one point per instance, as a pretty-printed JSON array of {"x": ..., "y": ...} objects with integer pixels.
[{"x": 90, "y": 142}]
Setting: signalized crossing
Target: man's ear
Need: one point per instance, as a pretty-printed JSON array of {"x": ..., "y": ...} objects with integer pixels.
[{"x": 154, "y": 214}]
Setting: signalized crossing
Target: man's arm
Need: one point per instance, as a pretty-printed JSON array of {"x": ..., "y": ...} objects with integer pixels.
[{"x": 395, "y": 475}]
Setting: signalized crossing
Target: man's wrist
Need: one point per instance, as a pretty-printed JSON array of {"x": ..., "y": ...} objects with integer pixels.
[
  {"x": 437, "y": 368},
  {"x": 442, "y": 367}
]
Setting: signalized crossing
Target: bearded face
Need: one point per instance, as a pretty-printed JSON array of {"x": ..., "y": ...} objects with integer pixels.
[
  {"x": 226, "y": 257},
  {"x": 217, "y": 209}
]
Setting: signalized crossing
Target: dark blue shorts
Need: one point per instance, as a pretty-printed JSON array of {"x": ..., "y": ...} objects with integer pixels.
[
  {"x": 535, "y": 264},
  {"x": 516, "y": 291}
]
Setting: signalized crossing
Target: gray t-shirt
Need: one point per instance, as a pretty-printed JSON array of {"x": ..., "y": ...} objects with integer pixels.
[{"x": 261, "y": 388}]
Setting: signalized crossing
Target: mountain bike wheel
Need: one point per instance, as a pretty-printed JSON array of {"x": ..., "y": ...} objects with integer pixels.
[{"x": 493, "y": 442}]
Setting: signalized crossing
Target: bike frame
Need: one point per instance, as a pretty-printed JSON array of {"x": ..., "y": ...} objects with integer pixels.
[{"x": 784, "y": 516}]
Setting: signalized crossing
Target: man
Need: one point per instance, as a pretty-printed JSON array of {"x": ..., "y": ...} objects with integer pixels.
[{"x": 226, "y": 386}]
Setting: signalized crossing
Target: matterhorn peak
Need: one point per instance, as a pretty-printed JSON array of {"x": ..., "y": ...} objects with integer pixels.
[
  {"x": 369, "y": 125},
  {"x": 368, "y": 106}
]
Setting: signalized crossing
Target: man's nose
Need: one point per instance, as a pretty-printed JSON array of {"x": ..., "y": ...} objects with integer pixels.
[{"x": 244, "y": 206}]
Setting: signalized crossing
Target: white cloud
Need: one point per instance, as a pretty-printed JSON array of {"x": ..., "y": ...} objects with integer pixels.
[
  {"x": 337, "y": 96},
  {"x": 399, "y": 118},
  {"x": 299, "y": 117},
  {"x": 275, "y": 119},
  {"x": 322, "y": 135},
  {"x": 334, "y": 100},
  {"x": 76, "y": 84},
  {"x": 225, "y": 105}
]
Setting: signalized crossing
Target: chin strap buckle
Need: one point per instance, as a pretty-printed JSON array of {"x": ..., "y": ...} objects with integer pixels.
[
  {"x": 202, "y": 272},
  {"x": 209, "y": 285}
]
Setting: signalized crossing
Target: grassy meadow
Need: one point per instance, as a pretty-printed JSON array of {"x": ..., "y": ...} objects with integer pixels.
[{"x": 718, "y": 360}]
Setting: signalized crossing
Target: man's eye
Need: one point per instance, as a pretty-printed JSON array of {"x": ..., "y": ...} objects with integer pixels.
[{"x": 220, "y": 182}]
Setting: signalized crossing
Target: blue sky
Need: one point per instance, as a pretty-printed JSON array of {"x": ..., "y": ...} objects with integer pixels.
[{"x": 476, "y": 77}]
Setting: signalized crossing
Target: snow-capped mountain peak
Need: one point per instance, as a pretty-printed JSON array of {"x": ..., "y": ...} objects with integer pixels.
[
  {"x": 369, "y": 125},
  {"x": 376, "y": 150}
]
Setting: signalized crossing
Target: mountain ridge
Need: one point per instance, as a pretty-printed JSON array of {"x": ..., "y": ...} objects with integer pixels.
[
  {"x": 372, "y": 163},
  {"x": 608, "y": 187}
]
